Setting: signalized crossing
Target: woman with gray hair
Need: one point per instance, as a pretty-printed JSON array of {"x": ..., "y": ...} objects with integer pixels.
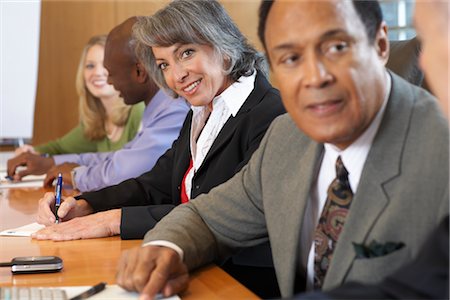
[
  {"x": 194, "y": 50},
  {"x": 204, "y": 24}
]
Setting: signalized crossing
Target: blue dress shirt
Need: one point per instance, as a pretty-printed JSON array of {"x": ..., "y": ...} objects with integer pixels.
[{"x": 161, "y": 124}]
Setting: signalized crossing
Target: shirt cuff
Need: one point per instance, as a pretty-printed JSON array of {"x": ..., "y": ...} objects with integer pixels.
[
  {"x": 73, "y": 175},
  {"x": 166, "y": 244}
]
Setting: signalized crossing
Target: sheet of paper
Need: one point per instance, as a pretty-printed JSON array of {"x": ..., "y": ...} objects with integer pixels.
[
  {"x": 26, "y": 230},
  {"x": 111, "y": 292},
  {"x": 27, "y": 181}
]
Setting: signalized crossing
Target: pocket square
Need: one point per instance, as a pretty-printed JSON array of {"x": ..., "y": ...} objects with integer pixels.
[{"x": 375, "y": 249}]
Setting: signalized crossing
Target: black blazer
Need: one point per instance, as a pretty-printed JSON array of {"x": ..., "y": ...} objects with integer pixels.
[{"x": 146, "y": 199}]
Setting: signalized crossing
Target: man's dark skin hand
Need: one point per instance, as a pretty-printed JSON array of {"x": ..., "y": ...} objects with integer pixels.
[
  {"x": 34, "y": 163},
  {"x": 151, "y": 270}
]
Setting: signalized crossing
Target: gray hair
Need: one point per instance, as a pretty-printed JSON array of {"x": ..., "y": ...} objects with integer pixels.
[{"x": 196, "y": 22}]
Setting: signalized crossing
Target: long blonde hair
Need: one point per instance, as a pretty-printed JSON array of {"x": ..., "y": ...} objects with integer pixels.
[{"x": 91, "y": 110}]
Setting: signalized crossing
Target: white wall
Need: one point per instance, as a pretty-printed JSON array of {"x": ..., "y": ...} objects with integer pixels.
[{"x": 19, "y": 55}]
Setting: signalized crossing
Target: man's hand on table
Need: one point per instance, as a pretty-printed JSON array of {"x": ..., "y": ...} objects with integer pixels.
[{"x": 151, "y": 270}]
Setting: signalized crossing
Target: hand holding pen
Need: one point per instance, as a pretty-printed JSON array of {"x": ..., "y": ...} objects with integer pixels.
[
  {"x": 69, "y": 208},
  {"x": 58, "y": 196}
]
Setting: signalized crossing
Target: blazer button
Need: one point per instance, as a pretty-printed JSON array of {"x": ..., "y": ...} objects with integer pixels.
[
  {"x": 179, "y": 187},
  {"x": 197, "y": 187}
]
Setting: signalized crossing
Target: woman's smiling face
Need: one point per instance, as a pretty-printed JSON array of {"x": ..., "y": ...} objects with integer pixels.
[{"x": 193, "y": 71}]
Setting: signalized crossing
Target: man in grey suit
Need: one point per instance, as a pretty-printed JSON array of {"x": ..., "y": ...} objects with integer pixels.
[
  {"x": 328, "y": 58},
  {"x": 426, "y": 277}
]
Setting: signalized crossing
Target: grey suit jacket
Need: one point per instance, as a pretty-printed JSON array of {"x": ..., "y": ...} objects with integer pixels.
[{"x": 402, "y": 196}]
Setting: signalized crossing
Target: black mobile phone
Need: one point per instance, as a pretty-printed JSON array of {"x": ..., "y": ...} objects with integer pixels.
[{"x": 36, "y": 264}]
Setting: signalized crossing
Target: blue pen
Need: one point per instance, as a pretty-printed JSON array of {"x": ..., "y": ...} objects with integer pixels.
[{"x": 58, "y": 196}]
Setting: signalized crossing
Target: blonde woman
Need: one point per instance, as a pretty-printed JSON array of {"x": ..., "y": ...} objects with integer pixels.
[{"x": 106, "y": 122}]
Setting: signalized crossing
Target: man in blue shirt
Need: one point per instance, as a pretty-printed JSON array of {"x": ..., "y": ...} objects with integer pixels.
[{"x": 161, "y": 123}]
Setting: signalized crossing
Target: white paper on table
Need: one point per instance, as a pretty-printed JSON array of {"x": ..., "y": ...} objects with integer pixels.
[
  {"x": 27, "y": 181},
  {"x": 111, "y": 292},
  {"x": 26, "y": 230}
]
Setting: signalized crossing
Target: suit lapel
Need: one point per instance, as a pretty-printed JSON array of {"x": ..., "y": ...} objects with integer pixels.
[
  {"x": 372, "y": 196},
  {"x": 226, "y": 133},
  {"x": 183, "y": 157},
  {"x": 289, "y": 169},
  {"x": 293, "y": 211}
]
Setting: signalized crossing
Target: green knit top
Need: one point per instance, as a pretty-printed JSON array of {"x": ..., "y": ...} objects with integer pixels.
[{"x": 75, "y": 142}]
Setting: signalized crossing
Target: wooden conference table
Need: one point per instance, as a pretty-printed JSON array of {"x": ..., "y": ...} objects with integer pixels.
[{"x": 87, "y": 262}]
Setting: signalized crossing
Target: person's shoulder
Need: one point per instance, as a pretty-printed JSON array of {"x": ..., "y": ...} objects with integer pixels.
[
  {"x": 422, "y": 104},
  {"x": 264, "y": 99},
  {"x": 284, "y": 128},
  {"x": 163, "y": 104},
  {"x": 426, "y": 107},
  {"x": 169, "y": 102},
  {"x": 182, "y": 103},
  {"x": 417, "y": 95},
  {"x": 267, "y": 104},
  {"x": 419, "y": 113},
  {"x": 263, "y": 82},
  {"x": 284, "y": 122},
  {"x": 285, "y": 138}
]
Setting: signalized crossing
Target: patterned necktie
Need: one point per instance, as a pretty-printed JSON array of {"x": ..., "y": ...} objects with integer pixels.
[{"x": 331, "y": 222}]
